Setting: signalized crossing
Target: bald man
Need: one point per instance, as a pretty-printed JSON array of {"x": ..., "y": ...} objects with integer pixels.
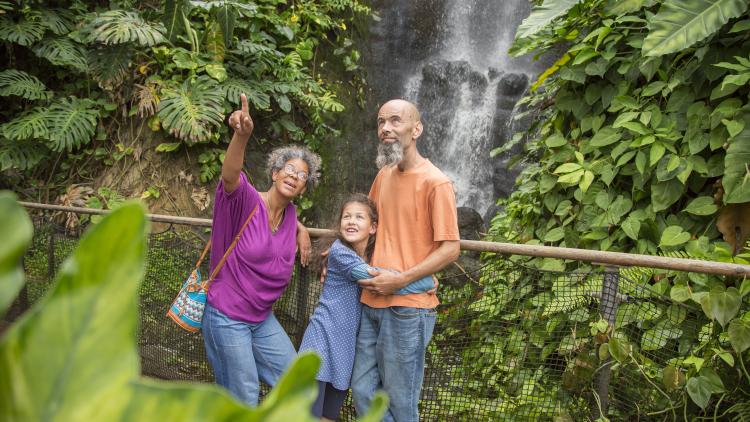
[{"x": 417, "y": 236}]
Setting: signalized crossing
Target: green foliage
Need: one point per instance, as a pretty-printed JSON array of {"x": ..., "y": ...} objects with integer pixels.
[
  {"x": 17, "y": 229},
  {"x": 73, "y": 356},
  {"x": 638, "y": 142},
  {"x": 62, "y": 51},
  {"x": 120, "y": 27},
  {"x": 681, "y": 23},
  {"x": 15, "y": 82},
  {"x": 71, "y": 122},
  {"x": 191, "y": 109}
]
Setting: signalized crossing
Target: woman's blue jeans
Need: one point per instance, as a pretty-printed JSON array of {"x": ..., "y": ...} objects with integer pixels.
[
  {"x": 242, "y": 354},
  {"x": 390, "y": 353}
]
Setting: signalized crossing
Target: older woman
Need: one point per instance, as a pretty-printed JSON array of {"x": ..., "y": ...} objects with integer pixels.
[{"x": 244, "y": 342}]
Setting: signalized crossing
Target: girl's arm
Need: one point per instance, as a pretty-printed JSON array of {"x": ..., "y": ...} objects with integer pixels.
[
  {"x": 242, "y": 124},
  {"x": 422, "y": 285}
]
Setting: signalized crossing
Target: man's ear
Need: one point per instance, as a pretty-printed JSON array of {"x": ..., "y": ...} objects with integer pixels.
[{"x": 417, "y": 130}]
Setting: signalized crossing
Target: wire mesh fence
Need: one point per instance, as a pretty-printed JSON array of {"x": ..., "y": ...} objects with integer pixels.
[{"x": 511, "y": 342}]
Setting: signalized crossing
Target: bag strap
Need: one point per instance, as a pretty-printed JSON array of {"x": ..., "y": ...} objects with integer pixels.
[{"x": 205, "y": 284}]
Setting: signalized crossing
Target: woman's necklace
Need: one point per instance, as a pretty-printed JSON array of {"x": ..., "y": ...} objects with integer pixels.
[{"x": 273, "y": 225}]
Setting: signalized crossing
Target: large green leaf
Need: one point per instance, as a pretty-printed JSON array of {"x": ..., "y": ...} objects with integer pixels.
[
  {"x": 701, "y": 387},
  {"x": 664, "y": 194},
  {"x": 74, "y": 350},
  {"x": 109, "y": 65},
  {"x": 25, "y": 31},
  {"x": 673, "y": 236},
  {"x": 59, "y": 21},
  {"x": 71, "y": 123},
  {"x": 739, "y": 334},
  {"x": 736, "y": 180},
  {"x": 31, "y": 124},
  {"x": 542, "y": 15},
  {"x": 21, "y": 155},
  {"x": 226, "y": 15},
  {"x": 722, "y": 304},
  {"x": 16, "y": 82},
  {"x": 119, "y": 26},
  {"x": 17, "y": 230},
  {"x": 681, "y": 23},
  {"x": 62, "y": 51},
  {"x": 174, "y": 18},
  {"x": 190, "y": 111}
]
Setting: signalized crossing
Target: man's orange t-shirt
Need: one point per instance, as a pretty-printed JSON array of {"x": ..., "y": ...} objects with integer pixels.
[{"x": 416, "y": 211}]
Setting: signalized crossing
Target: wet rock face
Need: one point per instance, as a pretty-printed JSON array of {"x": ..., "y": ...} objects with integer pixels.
[{"x": 470, "y": 223}]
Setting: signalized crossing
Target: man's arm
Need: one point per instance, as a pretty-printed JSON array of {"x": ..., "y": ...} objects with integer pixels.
[{"x": 387, "y": 283}]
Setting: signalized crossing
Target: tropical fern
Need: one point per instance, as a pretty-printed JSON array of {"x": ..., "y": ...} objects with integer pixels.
[
  {"x": 16, "y": 82},
  {"x": 109, "y": 65},
  {"x": 21, "y": 155},
  {"x": 25, "y": 31},
  {"x": 59, "y": 21},
  {"x": 256, "y": 92},
  {"x": 31, "y": 124},
  {"x": 71, "y": 123},
  {"x": 189, "y": 111},
  {"x": 119, "y": 26},
  {"x": 5, "y": 5},
  {"x": 62, "y": 51}
]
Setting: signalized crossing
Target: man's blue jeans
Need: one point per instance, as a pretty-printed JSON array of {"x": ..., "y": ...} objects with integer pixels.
[
  {"x": 390, "y": 353},
  {"x": 242, "y": 354}
]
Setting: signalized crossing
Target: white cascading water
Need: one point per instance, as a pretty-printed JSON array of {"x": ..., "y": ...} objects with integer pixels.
[{"x": 467, "y": 97}]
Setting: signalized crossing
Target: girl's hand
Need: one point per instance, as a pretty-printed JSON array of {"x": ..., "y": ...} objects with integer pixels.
[{"x": 240, "y": 120}]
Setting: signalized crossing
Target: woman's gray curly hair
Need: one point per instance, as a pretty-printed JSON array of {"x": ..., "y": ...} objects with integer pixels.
[{"x": 279, "y": 156}]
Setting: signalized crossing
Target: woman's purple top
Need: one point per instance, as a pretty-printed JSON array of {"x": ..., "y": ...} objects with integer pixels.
[{"x": 259, "y": 268}]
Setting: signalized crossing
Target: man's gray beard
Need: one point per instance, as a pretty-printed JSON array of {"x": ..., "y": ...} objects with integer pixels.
[{"x": 389, "y": 154}]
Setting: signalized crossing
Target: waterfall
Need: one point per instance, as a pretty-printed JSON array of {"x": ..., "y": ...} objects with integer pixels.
[{"x": 450, "y": 58}]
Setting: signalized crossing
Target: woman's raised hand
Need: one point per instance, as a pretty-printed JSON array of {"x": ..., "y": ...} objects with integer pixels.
[{"x": 240, "y": 120}]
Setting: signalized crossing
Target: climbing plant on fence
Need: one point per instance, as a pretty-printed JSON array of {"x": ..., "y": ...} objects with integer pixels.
[
  {"x": 640, "y": 142},
  {"x": 77, "y": 69}
]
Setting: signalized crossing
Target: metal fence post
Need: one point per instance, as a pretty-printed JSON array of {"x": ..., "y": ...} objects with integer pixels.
[{"x": 608, "y": 307}]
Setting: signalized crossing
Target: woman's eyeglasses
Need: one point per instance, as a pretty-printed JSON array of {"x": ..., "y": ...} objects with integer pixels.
[{"x": 291, "y": 171}]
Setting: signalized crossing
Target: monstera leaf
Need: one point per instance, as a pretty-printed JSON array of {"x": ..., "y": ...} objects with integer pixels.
[
  {"x": 16, "y": 82},
  {"x": 681, "y": 23},
  {"x": 59, "y": 21},
  {"x": 109, "y": 64},
  {"x": 62, "y": 51},
  {"x": 190, "y": 111},
  {"x": 119, "y": 26},
  {"x": 233, "y": 87},
  {"x": 21, "y": 155},
  {"x": 73, "y": 356},
  {"x": 71, "y": 123},
  {"x": 30, "y": 124},
  {"x": 543, "y": 15},
  {"x": 17, "y": 229},
  {"x": 25, "y": 31}
]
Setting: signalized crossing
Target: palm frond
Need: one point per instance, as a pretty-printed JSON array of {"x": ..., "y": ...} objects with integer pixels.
[
  {"x": 147, "y": 99},
  {"x": 21, "y": 155},
  {"x": 256, "y": 92},
  {"x": 31, "y": 124},
  {"x": 71, "y": 123},
  {"x": 16, "y": 82},
  {"x": 190, "y": 111},
  {"x": 59, "y": 21},
  {"x": 119, "y": 27},
  {"x": 25, "y": 31},
  {"x": 62, "y": 51},
  {"x": 109, "y": 65}
]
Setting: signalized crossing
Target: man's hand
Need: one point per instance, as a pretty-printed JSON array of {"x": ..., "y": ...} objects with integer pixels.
[
  {"x": 383, "y": 282},
  {"x": 304, "y": 246},
  {"x": 240, "y": 120}
]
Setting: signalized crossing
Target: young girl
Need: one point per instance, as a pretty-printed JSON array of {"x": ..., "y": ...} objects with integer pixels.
[{"x": 332, "y": 331}]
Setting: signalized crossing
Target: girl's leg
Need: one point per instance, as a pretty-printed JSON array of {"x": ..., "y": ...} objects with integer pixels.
[
  {"x": 332, "y": 402},
  {"x": 273, "y": 350},
  {"x": 317, "y": 406},
  {"x": 229, "y": 347}
]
